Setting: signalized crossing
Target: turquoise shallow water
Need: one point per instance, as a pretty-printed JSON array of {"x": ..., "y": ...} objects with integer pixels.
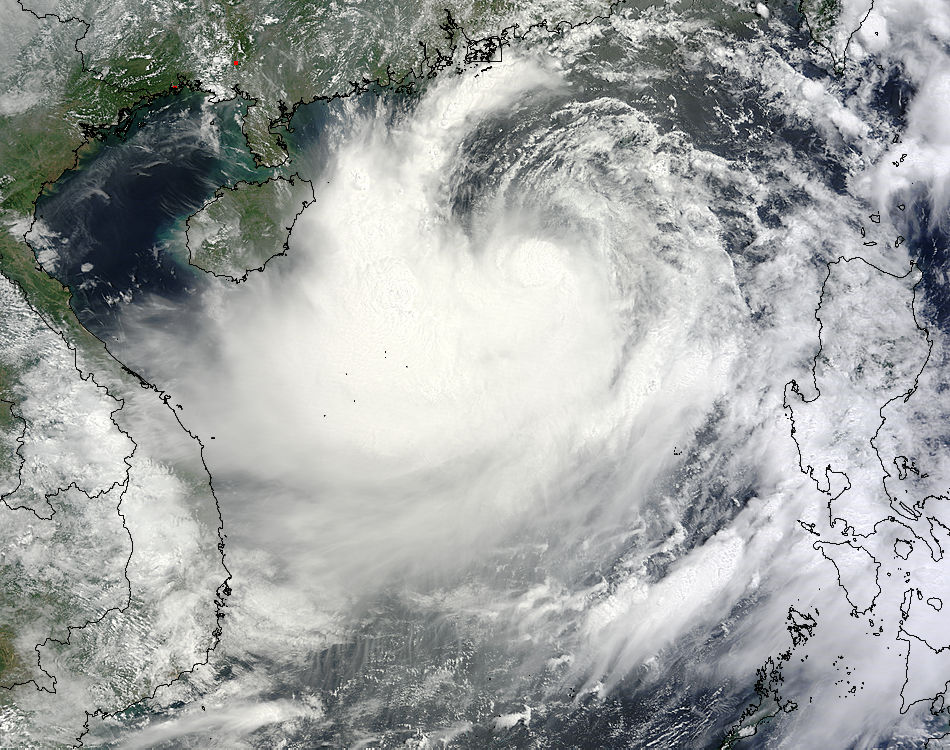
[
  {"x": 113, "y": 224},
  {"x": 452, "y": 600}
]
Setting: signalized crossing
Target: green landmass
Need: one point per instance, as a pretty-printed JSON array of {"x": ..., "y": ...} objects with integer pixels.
[
  {"x": 832, "y": 24},
  {"x": 822, "y": 17},
  {"x": 12, "y": 667},
  {"x": 44, "y": 293},
  {"x": 11, "y": 428},
  {"x": 288, "y": 51},
  {"x": 244, "y": 227}
]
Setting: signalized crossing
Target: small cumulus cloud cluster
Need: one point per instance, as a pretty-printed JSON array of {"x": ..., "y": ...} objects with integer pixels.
[{"x": 511, "y": 423}]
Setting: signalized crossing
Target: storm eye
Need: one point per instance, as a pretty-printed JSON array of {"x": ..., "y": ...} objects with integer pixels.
[{"x": 522, "y": 375}]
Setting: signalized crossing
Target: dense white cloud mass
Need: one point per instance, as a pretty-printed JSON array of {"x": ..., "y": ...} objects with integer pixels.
[
  {"x": 504, "y": 443},
  {"x": 110, "y": 561},
  {"x": 419, "y": 389},
  {"x": 915, "y": 35}
]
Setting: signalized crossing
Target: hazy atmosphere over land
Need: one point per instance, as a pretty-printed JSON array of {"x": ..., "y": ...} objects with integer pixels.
[{"x": 578, "y": 384}]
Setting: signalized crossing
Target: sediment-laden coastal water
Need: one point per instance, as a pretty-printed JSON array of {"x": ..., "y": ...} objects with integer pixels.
[{"x": 503, "y": 443}]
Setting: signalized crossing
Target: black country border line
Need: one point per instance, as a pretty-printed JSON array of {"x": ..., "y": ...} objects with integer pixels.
[
  {"x": 73, "y": 485},
  {"x": 768, "y": 687},
  {"x": 823, "y": 483},
  {"x": 221, "y": 592},
  {"x": 87, "y": 26},
  {"x": 219, "y": 194},
  {"x": 837, "y": 67},
  {"x": 120, "y": 127},
  {"x": 477, "y": 52},
  {"x": 909, "y": 513},
  {"x": 770, "y": 678}
]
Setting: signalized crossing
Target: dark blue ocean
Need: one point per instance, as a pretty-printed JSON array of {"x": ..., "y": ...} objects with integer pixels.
[{"x": 115, "y": 222}]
